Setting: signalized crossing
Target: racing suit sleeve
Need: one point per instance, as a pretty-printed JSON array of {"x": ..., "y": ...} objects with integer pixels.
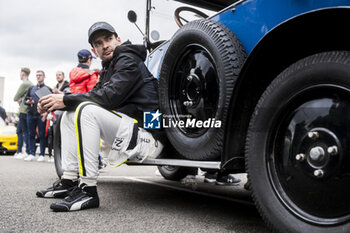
[{"x": 112, "y": 93}]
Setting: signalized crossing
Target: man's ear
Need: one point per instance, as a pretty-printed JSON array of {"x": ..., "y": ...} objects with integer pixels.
[
  {"x": 93, "y": 50},
  {"x": 119, "y": 40}
]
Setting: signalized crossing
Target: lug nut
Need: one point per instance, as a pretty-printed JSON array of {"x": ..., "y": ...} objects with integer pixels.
[
  {"x": 313, "y": 135},
  {"x": 300, "y": 157},
  {"x": 188, "y": 103},
  {"x": 317, "y": 153},
  {"x": 319, "y": 173},
  {"x": 183, "y": 92},
  {"x": 332, "y": 150},
  {"x": 189, "y": 78}
]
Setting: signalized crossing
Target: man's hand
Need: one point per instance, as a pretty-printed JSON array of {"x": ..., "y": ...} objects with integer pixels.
[
  {"x": 44, "y": 116},
  {"x": 30, "y": 101},
  {"x": 50, "y": 102},
  {"x": 19, "y": 101},
  {"x": 56, "y": 91}
]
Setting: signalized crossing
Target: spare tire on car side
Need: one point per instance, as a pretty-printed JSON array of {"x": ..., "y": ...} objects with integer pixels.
[{"x": 196, "y": 81}]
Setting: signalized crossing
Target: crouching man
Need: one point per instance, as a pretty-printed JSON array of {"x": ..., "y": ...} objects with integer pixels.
[{"x": 112, "y": 110}]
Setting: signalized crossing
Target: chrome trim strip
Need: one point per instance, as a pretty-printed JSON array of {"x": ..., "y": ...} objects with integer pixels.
[{"x": 179, "y": 162}]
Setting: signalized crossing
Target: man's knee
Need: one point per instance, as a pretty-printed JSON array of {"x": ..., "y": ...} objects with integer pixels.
[
  {"x": 87, "y": 107},
  {"x": 88, "y": 111}
]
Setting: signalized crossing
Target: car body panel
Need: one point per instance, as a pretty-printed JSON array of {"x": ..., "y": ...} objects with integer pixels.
[
  {"x": 154, "y": 60},
  {"x": 252, "y": 20},
  {"x": 8, "y": 139}
]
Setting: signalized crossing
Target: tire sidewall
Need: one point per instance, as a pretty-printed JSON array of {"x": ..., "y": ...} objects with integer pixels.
[
  {"x": 284, "y": 87},
  {"x": 176, "y": 173},
  {"x": 57, "y": 145},
  {"x": 193, "y": 33},
  {"x": 175, "y": 50}
]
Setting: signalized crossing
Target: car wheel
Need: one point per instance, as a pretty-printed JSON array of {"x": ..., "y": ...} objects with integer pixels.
[
  {"x": 57, "y": 145},
  {"x": 176, "y": 173},
  {"x": 298, "y": 147},
  {"x": 196, "y": 81}
]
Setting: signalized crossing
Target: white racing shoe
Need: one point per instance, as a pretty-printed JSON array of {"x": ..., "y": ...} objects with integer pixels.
[{"x": 146, "y": 147}]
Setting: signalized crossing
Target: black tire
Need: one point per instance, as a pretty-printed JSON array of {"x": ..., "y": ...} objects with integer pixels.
[
  {"x": 9, "y": 152},
  {"x": 197, "y": 78},
  {"x": 57, "y": 146},
  {"x": 50, "y": 140},
  {"x": 297, "y": 184},
  {"x": 176, "y": 173}
]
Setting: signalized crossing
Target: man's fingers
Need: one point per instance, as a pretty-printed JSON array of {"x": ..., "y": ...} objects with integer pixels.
[
  {"x": 51, "y": 108},
  {"x": 44, "y": 116},
  {"x": 41, "y": 111},
  {"x": 52, "y": 102},
  {"x": 45, "y": 98},
  {"x": 42, "y": 99},
  {"x": 39, "y": 107},
  {"x": 48, "y": 105}
]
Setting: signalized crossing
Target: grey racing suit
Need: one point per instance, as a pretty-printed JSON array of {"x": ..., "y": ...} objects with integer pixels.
[{"x": 82, "y": 130}]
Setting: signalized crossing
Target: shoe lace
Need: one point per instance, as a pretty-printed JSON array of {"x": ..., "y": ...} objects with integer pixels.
[{"x": 75, "y": 191}]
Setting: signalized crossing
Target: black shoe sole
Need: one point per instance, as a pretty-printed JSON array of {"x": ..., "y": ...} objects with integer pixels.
[
  {"x": 39, "y": 194},
  {"x": 60, "y": 208},
  {"x": 56, "y": 208}
]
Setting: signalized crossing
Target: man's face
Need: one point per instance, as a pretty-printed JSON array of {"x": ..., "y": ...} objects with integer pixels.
[
  {"x": 22, "y": 75},
  {"x": 59, "y": 77},
  {"x": 104, "y": 44},
  {"x": 40, "y": 77}
]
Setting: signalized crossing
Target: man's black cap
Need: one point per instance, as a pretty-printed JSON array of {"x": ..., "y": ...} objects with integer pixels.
[
  {"x": 84, "y": 55},
  {"x": 100, "y": 26}
]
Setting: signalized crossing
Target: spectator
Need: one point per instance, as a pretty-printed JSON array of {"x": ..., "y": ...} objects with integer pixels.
[
  {"x": 125, "y": 85},
  {"x": 62, "y": 85},
  {"x": 3, "y": 114},
  {"x": 35, "y": 120},
  {"x": 22, "y": 129},
  {"x": 220, "y": 178},
  {"x": 82, "y": 79},
  {"x": 51, "y": 119}
]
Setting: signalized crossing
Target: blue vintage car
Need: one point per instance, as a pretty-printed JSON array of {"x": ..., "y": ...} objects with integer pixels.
[
  {"x": 276, "y": 75},
  {"x": 263, "y": 87}
]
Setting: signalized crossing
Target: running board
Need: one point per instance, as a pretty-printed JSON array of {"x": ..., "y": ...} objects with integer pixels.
[{"x": 179, "y": 163}]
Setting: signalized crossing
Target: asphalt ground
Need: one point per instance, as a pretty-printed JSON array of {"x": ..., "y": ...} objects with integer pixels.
[{"x": 132, "y": 199}]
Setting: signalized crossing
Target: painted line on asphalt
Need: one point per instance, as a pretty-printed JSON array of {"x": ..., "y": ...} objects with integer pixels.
[{"x": 140, "y": 179}]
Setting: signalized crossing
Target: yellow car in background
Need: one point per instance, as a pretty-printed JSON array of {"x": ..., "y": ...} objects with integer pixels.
[{"x": 8, "y": 138}]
